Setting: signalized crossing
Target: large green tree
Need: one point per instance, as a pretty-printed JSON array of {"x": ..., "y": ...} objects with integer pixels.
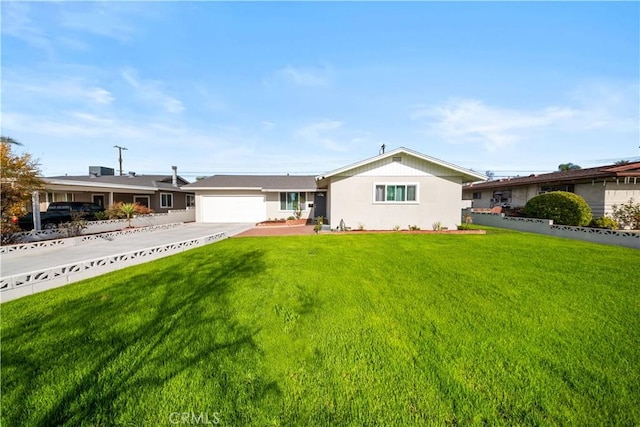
[
  {"x": 19, "y": 178},
  {"x": 568, "y": 167}
]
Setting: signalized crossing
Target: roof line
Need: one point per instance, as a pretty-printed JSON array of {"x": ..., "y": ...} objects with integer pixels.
[{"x": 399, "y": 150}]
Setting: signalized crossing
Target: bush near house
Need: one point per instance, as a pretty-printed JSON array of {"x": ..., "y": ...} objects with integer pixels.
[
  {"x": 115, "y": 210},
  {"x": 604, "y": 222},
  {"x": 627, "y": 214},
  {"x": 562, "y": 207}
]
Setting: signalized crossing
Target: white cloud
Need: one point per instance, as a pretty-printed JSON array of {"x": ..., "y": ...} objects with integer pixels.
[
  {"x": 103, "y": 19},
  {"x": 494, "y": 127},
  {"x": 316, "y": 134},
  {"x": 149, "y": 90},
  {"x": 60, "y": 89},
  {"x": 305, "y": 76},
  {"x": 471, "y": 120},
  {"x": 16, "y": 22},
  {"x": 267, "y": 125}
]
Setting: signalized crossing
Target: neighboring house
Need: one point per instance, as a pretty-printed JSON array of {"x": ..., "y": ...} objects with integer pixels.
[
  {"x": 102, "y": 187},
  {"x": 398, "y": 188},
  {"x": 601, "y": 187}
]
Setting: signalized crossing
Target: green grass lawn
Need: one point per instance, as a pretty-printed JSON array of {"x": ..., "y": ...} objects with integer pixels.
[{"x": 505, "y": 328}]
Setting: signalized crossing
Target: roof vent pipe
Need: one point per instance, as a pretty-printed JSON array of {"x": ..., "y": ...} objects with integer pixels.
[
  {"x": 174, "y": 178},
  {"x": 382, "y": 147}
]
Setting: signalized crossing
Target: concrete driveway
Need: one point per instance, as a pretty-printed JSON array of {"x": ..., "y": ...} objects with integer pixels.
[{"x": 36, "y": 266}]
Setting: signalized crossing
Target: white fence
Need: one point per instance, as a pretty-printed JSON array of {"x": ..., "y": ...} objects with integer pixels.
[
  {"x": 17, "y": 286},
  {"x": 627, "y": 239},
  {"x": 104, "y": 226},
  {"x": 9, "y": 250}
]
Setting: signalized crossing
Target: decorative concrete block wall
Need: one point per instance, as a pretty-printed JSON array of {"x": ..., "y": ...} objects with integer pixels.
[{"x": 629, "y": 239}]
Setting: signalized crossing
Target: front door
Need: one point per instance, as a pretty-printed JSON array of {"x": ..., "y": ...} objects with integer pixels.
[
  {"x": 320, "y": 205},
  {"x": 98, "y": 199}
]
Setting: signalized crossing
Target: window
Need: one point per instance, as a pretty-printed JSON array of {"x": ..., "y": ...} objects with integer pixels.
[
  {"x": 477, "y": 195},
  {"x": 191, "y": 200},
  {"x": 292, "y": 201},
  {"x": 548, "y": 188},
  {"x": 396, "y": 193},
  {"x": 142, "y": 200},
  {"x": 166, "y": 200}
]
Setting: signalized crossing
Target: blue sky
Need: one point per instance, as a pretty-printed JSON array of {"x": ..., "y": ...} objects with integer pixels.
[{"x": 308, "y": 87}]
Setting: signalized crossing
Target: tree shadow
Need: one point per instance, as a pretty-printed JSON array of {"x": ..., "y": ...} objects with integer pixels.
[{"x": 136, "y": 337}]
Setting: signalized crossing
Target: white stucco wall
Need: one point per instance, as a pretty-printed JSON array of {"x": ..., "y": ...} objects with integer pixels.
[
  {"x": 439, "y": 190},
  {"x": 274, "y": 211}
]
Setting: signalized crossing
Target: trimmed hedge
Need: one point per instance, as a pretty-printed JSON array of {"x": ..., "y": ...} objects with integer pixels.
[{"x": 562, "y": 207}]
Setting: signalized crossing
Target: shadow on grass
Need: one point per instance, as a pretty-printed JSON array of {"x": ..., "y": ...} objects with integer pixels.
[{"x": 157, "y": 336}]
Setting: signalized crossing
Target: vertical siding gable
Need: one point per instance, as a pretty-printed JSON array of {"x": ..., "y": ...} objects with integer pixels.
[{"x": 409, "y": 166}]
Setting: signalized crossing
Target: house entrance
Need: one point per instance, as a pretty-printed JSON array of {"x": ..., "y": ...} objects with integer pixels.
[
  {"x": 320, "y": 205},
  {"x": 98, "y": 199}
]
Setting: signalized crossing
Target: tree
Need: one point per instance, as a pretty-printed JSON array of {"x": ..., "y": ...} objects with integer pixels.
[
  {"x": 490, "y": 174},
  {"x": 8, "y": 140},
  {"x": 20, "y": 177},
  {"x": 621, "y": 162},
  {"x": 568, "y": 167},
  {"x": 128, "y": 209}
]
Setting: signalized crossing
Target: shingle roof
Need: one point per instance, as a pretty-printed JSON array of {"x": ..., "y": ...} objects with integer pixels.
[
  {"x": 153, "y": 181},
  {"x": 608, "y": 171},
  {"x": 259, "y": 182}
]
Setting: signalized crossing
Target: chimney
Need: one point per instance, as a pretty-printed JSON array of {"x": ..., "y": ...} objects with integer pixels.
[{"x": 174, "y": 179}]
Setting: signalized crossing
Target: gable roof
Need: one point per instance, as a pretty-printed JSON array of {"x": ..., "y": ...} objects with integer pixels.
[
  {"x": 267, "y": 183},
  {"x": 600, "y": 172},
  {"x": 467, "y": 175}
]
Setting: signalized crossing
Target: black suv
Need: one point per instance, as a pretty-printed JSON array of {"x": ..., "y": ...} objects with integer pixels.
[{"x": 58, "y": 213}]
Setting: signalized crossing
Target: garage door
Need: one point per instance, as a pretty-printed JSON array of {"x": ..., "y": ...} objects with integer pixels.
[{"x": 233, "y": 209}]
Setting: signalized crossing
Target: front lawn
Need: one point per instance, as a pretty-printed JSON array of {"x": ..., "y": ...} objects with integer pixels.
[{"x": 383, "y": 329}]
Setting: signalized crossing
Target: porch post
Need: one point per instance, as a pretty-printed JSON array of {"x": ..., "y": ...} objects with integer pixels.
[{"x": 35, "y": 201}]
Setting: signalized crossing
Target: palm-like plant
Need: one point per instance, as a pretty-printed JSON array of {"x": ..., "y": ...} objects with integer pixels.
[{"x": 128, "y": 209}]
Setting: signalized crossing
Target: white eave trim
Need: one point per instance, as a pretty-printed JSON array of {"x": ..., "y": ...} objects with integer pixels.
[
  {"x": 96, "y": 184},
  {"x": 192, "y": 189},
  {"x": 289, "y": 190}
]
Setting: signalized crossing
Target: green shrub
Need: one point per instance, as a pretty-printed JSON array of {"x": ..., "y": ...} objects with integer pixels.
[
  {"x": 562, "y": 207},
  {"x": 604, "y": 222},
  {"x": 627, "y": 214}
]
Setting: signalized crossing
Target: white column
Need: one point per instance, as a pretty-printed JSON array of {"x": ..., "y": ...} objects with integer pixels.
[{"x": 35, "y": 201}]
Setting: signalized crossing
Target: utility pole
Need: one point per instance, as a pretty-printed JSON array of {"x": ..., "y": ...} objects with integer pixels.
[{"x": 120, "y": 155}]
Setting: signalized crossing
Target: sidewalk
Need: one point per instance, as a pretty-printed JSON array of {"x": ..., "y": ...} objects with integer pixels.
[{"x": 58, "y": 264}]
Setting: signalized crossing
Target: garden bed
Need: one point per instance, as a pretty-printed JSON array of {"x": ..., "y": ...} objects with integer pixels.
[{"x": 283, "y": 222}]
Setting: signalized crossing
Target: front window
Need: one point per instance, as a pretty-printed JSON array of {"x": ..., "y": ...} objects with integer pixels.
[
  {"x": 166, "y": 200},
  {"x": 191, "y": 200},
  {"x": 292, "y": 201},
  {"x": 141, "y": 200},
  {"x": 548, "y": 188},
  {"x": 394, "y": 193}
]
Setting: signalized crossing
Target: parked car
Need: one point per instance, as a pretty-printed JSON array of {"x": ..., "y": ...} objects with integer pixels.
[{"x": 58, "y": 213}]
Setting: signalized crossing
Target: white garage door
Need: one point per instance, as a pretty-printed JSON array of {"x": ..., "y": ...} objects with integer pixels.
[{"x": 233, "y": 209}]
